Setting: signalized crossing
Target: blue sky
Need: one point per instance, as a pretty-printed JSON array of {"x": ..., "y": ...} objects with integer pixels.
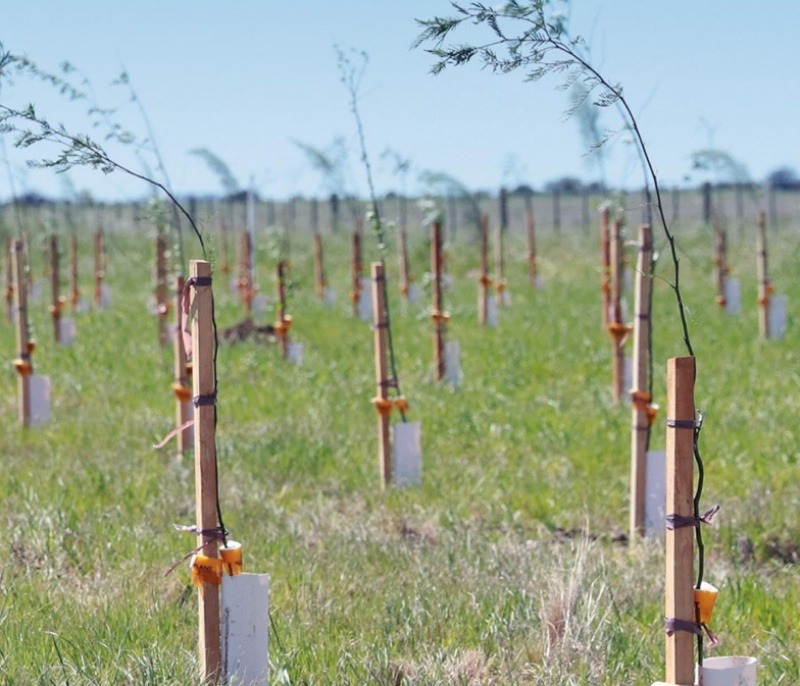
[{"x": 247, "y": 78}]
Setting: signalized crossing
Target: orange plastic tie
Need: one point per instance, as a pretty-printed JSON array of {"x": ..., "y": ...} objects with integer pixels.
[
  {"x": 619, "y": 331},
  {"x": 23, "y": 367},
  {"x": 721, "y": 300},
  {"x": 383, "y": 405},
  {"x": 182, "y": 393},
  {"x": 206, "y": 570},
  {"x": 501, "y": 285},
  {"x": 31, "y": 346},
  {"x": 401, "y": 404},
  {"x": 440, "y": 316},
  {"x": 486, "y": 280}
]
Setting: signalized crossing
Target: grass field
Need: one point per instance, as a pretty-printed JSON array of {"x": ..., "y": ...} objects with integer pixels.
[{"x": 505, "y": 567}]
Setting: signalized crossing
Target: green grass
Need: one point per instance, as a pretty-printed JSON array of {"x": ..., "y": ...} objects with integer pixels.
[{"x": 468, "y": 579}]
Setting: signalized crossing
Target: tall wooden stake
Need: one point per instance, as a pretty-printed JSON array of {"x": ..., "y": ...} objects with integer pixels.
[
  {"x": 224, "y": 252},
  {"x": 205, "y": 461},
  {"x": 245, "y": 280},
  {"x": 182, "y": 385},
  {"x": 764, "y": 286},
  {"x": 499, "y": 267},
  {"x": 284, "y": 322},
  {"x": 531, "y": 233},
  {"x": 319, "y": 268},
  {"x": 99, "y": 266},
  {"x": 605, "y": 266},
  {"x": 618, "y": 329},
  {"x": 356, "y": 271},
  {"x": 75, "y": 292},
  {"x": 438, "y": 315},
  {"x": 642, "y": 410},
  {"x": 55, "y": 285},
  {"x": 9, "y": 263},
  {"x": 402, "y": 256},
  {"x": 679, "y": 590},
  {"x": 382, "y": 401},
  {"x": 23, "y": 362},
  {"x": 720, "y": 264},
  {"x": 484, "y": 281}
]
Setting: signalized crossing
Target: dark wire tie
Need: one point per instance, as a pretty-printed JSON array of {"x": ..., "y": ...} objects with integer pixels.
[
  {"x": 205, "y": 400},
  {"x": 682, "y": 424}
]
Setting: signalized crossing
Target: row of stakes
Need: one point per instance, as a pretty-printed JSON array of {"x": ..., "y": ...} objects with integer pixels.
[{"x": 405, "y": 467}]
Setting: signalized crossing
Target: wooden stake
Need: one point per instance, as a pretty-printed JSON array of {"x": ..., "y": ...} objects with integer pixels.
[
  {"x": 531, "y": 232},
  {"x": 23, "y": 362},
  {"x": 720, "y": 264},
  {"x": 439, "y": 316},
  {"x": 319, "y": 269},
  {"x": 283, "y": 323},
  {"x": 402, "y": 256},
  {"x": 617, "y": 327},
  {"x": 605, "y": 266},
  {"x": 679, "y": 591},
  {"x": 381, "y": 373},
  {"x": 499, "y": 267},
  {"x": 224, "y": 252},
  {"x": 75, "y": 293},
  {"x": 205, "y": 460},
  {"x": 99, "y": 266},
  {"x": 356, "y": 271},
  {"x": 484, "y": 281},
  {"x": 640, "y": 394},
  {"x": 182, "y": 386},
  {"x": 9, "y": 279},
  {"x": 245, "y": 281},
  {"x": 55, "y": 306},
  {"x": 764, "y": 286},
  {"x": 162, "y": 291}
]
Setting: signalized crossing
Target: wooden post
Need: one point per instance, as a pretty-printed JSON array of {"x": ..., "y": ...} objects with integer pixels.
[
  {"x": 205, "y": 461},
  {"x": 23, "y": 362},
  {"x": 245, "y": 280},
  {"x": 642, "y": 408},
  {"x": 75, "y": 293},
  {"x": 284, "y": 321},
  {"x": 9, "y": 262},
  {"x": 356, "y": 271},
  {"x": 679, "y": 590},
  {"x": 319, "y": 269},
  {"x": 402, "y": 256},
  {"x": 531, "y": 232},
  {"x": 605, "y": 266},
  {"x": 99, "y": 266},
  {"x": 618, "y": 329},
  {"x": 764, "y": 286},
  {"x": 162, "y": 291},
  {"x": 182, "y": 386},
  {"x": 56, "y": 303},
  {"x": 484, "y": 280},
  {"x": 720, "y": 264},
  {"x": 224, "y": 252},
  {"x": 381, "y": 401},
  {"x": 438, "y": 315},
  {"x": 499, "y": 267}
]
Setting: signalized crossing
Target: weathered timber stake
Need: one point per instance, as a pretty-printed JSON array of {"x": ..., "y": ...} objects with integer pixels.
[
  {"x": 356, "y": 272},
  {"x": 99, "y": 267},
  {"x": 530, "y": 228},
  {"x": 679, "y": 590},
  {"x": 484, "y": 280},
  {"x": 382, "y": 401},
  {"x": 319, "y": 268},
  {"x": 182, "y": 385},
  {"x": 438, "y": 315},
  {"x": 9, "y": 263},
  {"x": 55, "y": 286},
  {"x": 245, "y": 281},
  {"x": 499, "y": 267},
  {"x": 161, "y": 293},
  {"x": 642, "y": 408},
  {"x": 402, "y": 256},
  {"x": 205, "y": 462},
  {"x": 605, "y": 266},
  {"x": 75, "y": 292},
  {"x": 764, "y": 285},
  {"x": 23, "y": 362},
  {"x": 618, "y": 329},
  {"x": 284, "y": 321},
  {"x": 720, "y": 264}
]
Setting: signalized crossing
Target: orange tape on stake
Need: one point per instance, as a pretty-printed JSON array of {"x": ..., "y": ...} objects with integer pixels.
[
  {"x": 642, "y": 401},
  {"x": 486, "y": 280},
  {"x": 206, "y": 570},
  {"x": 182, "y": 393},
  {"x": 501, "y": 286},
  {"x": 440, "y": 316},
  {"x": 385, "y": 405},
  {"x": 231, "y": 558},
  {"x": 721, "y": 300},
  {"x": 23, "y": 367},
  {"x": 619, "y": 331}
]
